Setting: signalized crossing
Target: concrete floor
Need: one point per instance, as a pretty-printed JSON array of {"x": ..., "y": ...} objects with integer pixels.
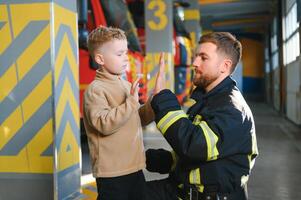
[{"x": 277, "y": 171}]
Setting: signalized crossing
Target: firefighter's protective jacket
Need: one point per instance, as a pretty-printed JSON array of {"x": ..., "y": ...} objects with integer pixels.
[{"x": 215, "y": 142}]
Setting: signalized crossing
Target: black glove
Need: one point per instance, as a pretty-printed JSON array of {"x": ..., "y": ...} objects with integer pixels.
[{"x": 158, "y": 160}]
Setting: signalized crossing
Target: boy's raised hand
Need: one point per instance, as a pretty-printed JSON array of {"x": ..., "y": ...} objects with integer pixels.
[
  {"x": 135, "y": 89},
  {"x": 160, "y": 80}
]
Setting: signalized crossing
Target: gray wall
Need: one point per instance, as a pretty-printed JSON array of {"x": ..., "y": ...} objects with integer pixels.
[{"x": 293, "y": 88}]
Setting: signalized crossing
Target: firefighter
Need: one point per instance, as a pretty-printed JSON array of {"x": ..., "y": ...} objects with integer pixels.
[{"x": 214, "y": 144}]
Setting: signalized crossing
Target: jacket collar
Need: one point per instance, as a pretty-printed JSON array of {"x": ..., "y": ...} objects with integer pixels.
[
  {"x": 102, "y": 74},
  {"x": 199, "y": 93}
]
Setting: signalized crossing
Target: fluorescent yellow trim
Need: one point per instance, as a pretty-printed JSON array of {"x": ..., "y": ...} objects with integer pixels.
[
  {"x": 164, "y": 129},
  {"x": 207, "y": 141},
  {"x": 200, "y": 188},
  {"x": 169, "y": 119},
  {"x": 197, "y": 120},
  {"x": 211, "y": 140},
  {"x": 166, "y": 117},
  {"x": 195, "y": 176}
]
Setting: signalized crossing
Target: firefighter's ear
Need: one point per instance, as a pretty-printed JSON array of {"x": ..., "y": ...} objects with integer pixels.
[
  {"x": 227, "y": 65},
  {"x": 99, "y": 59}
]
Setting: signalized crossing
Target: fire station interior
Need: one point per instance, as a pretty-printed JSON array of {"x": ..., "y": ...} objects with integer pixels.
[{"x": 45, "y": 68}]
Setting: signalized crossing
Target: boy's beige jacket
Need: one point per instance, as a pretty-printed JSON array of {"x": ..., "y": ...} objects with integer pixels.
[{"x": 112, "y": 122}]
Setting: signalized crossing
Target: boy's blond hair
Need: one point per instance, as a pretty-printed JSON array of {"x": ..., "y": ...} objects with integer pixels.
[{"x": 101, "y": 35}]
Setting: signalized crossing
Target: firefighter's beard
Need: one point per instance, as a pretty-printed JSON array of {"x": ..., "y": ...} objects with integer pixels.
[{"x": 203, "y": 81}]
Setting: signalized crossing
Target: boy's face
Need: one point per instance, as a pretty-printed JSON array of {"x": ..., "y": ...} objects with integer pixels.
[{"x": 113, "y": 56}]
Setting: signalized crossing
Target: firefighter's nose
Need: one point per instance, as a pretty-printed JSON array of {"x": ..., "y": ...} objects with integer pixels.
[{"x": 196, "y": 62}]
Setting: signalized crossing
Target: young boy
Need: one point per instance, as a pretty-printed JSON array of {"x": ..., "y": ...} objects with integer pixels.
[{"x": 112, "y": 117}]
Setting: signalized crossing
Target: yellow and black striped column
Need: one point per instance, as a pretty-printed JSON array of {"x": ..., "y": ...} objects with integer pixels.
[{"x": 39, "y": 108}]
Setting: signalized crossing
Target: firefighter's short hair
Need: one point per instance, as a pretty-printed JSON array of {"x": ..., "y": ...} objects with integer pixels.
[
  {"x": 101, "y": 35},
  {"x": 226, "y": 43}
]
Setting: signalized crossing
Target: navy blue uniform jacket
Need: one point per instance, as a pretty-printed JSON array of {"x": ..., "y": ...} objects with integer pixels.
[{"x": 215, "y": 142}]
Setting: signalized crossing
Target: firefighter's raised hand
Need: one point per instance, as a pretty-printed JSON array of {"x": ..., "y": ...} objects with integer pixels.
[
  {"x": 135, "y": 89},
  {"x": 160, "y": 80}
]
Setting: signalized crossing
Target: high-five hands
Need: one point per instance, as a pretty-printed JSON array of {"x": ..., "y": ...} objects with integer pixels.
[{"x": 160, "y": 80}]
